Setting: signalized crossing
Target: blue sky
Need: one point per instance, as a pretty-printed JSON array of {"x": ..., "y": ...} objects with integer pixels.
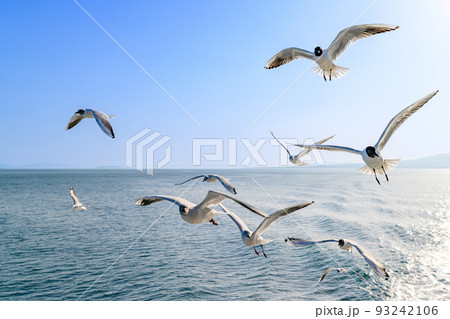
[{"x": 210, "y": 57}]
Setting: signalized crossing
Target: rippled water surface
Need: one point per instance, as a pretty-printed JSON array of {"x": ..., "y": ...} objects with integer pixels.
[{"x": 51, "y": 252}]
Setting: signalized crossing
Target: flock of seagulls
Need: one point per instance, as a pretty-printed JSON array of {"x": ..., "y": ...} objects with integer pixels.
[{"x": 375, "y": 164}]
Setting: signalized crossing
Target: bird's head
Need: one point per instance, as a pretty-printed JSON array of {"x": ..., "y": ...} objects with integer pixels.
[
  {"x": 371, "y": 152},
  {"x": 246, "y": 233},
  {"x": 80, "y": 111},
  {"x": 318, "y": 51},
  {"x": 341, "y": 243},
  {"x": 184, "y": 210}
]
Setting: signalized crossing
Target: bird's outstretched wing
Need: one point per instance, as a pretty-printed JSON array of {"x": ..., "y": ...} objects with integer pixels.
[
  {"x": 325, "y": 274},
  {"x": 307, "y": 150},
  {"x": 215, "y": 198},
  {"x": 378, "y": 268},
  {"x": 190, "y": 179},
  {"x": 102, "y": 120},
  {"x": 401, "y": 117},
  {"x": 331, "y": 148},
  {"x": 239, "y": 222},
  {"x": 352, "y": 34},
  {"x": 302, "y": 242},
  {"x": 281, "y": 143},
  {"x": 277, "y": 215},
  {"x": 144, "y": 201},
  {"x": 74, "y": 120},
  {"x": 288, "y": 55},
  {"x": 225, "y": 183},
  {"x": 74, "y": 197}
]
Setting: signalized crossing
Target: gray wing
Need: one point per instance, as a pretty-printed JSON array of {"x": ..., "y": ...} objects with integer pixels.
[
  {"x": 215, "y": 198},
  {"x": 277, "y": 215},
  {"x": 352, "y": 34},
  {"x": 302, "y": 242},
  {"x": 190, "y": 179},
  {"x": 331, "y": 148},
  {"x": 225, "y": 183},
  {"x": 376, "y": 266},
  {"x": 325, "y": 274},
  {"x": 281, "y": 143},
  {"x": 288, "y": 55},
  {"x": 144, "y": 201},
  {"x": 401, "y": 117},
  {"x": 307, "y": 150},
  {"x": 74, "y": 197},
  {"x": 103, "y": 121},
  {"x": 239, "y": 222},
  {"x": 74, "y": 120}
]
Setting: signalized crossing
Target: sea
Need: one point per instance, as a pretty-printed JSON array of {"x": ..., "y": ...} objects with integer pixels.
[{"x": 116, "y": 250}]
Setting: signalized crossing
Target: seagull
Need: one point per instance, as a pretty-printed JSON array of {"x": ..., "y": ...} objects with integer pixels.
[
  {"x": 325, "y": 59},
  {"x": 346, "y": 244},
  {"x": 339, "y": 271},
  {"x": 296, "y": 159},
  {"x": 76, "y": 203},
  {"x": 101, "y": 118},
  {"x": 254, "y": 238},
  {"x": 212, "y": 178},
  {"x": 197, "y": 214},
  {"x": 371, "y": 154}
]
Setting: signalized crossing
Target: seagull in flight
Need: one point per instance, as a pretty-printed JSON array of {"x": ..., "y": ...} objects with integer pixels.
[
  {"x": 325, "y": 59},
  {"x": 254, "y": 238},
  {"x": 101, "y": 118},
  {"x": 197, "y": 214},
  {"x": 371, "y": 154},
  {"x": 212, "y": 178},
  {"x": 345, "y": 244},
  {"x": 76, "y": 203},
  {"x": 296, "y": 159},
  {"x": 339, "y": 271}
]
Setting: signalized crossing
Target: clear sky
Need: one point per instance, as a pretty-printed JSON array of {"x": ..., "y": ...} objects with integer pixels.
[{"x": 210, "y": 57}]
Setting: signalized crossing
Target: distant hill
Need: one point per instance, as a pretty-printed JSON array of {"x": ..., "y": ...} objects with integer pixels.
[{"x": 436, "y": 161}]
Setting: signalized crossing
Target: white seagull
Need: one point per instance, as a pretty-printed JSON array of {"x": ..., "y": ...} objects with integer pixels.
[
  {"x": 197, "y": 214},
  {"x": 76, "y": 203},
  {"x": 325, "y": 59},
  {"x": 101, "y": 118},
  {"x": 346, "y": 244},
  {"x": 339, "y": 271},
  {"x": 296, "y": 159},
  {"x": 212, "y": 178},
  {"x": 371, "y": 154},
  {"x": 254, "y": 238}
]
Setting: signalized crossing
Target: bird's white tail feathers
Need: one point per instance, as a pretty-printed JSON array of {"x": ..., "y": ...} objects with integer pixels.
[
  {"x": 336, "y": 72},
  {"x": 388, "y": 165}
]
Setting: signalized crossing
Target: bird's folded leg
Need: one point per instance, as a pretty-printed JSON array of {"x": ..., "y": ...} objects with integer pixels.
[
  {"x": 213, "y": 221},
  {"x": 330, "y": 73},
  {"x": 263, "y": 251},
  {"x": 376, "y": 178},
  {"x": 387, "y": 178}
]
